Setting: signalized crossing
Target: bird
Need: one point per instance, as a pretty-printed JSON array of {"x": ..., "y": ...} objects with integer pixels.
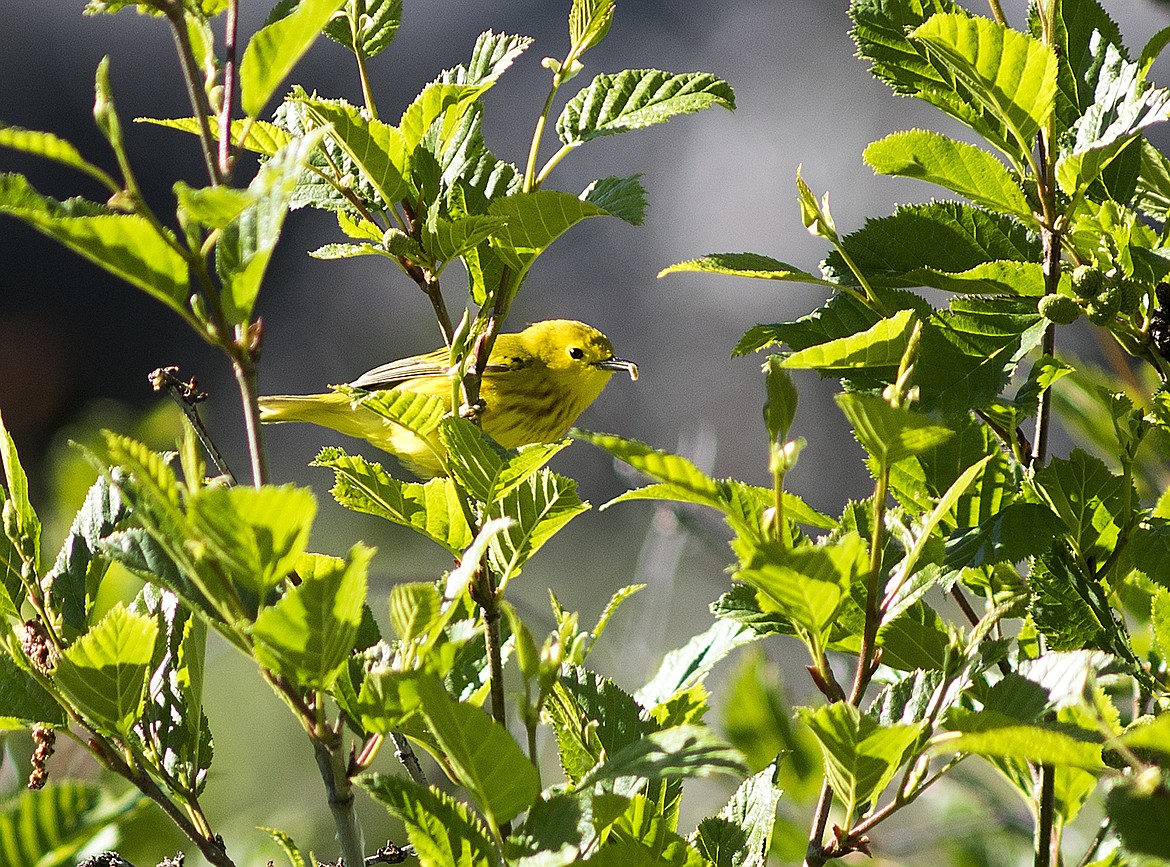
[{"x": 536, "y": 383}]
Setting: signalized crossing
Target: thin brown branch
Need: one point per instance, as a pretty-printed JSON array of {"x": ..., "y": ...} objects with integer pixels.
[{"x": 231, "y": 26}]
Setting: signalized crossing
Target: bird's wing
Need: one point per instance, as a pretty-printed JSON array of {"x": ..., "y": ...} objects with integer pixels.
[
  {"x": 395, "y": 372},
  {"x": 435, "y": 363}
]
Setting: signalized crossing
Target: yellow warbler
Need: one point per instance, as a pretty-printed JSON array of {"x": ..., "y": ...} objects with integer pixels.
[{"x": 536, "y": 384}]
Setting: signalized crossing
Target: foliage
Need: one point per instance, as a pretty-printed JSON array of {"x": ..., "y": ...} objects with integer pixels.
[{"x": 1055, "y": 676}]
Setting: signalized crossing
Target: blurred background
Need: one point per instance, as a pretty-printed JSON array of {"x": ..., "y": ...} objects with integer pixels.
[{"x": 76, "y": 346}]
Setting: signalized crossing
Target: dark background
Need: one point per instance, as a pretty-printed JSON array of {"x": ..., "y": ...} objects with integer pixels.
[{"x": 76, "y": 345}]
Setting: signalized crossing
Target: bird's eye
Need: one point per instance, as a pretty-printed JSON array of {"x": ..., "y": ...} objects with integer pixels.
[{"x": 576, "y": 352}]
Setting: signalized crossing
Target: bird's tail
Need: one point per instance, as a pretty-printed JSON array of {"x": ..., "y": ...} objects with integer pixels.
[{"x": 330, "y": 409}]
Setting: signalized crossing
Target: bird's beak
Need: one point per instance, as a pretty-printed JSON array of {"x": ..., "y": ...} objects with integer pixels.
[{"x": 620, "y": 364}]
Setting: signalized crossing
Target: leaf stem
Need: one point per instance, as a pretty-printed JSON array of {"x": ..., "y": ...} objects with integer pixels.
[
  {"x": 865, "y": 656},
  {"x": 331, "y": 761}
]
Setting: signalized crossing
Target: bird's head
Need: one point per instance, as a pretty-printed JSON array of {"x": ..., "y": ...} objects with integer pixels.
[{"x": 570, "y": 347}]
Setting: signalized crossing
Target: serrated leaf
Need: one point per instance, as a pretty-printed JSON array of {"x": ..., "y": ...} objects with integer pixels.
[
  {"x": 963, "y": 168},
  {"x": 438, "y": 99},
  {"x": 24, "y": 702},
  {"x": 247, "y": 243},
  {"x": 1092, "y": 502},
  {"x": 624, "y": 198},
  {"x": 286, "y": 844},
  {"x": 941, "y": 245},
  {"x": 890, "y": 434},
  {"x": 444, "y": 832},
  {"x": 485, "y": 758},
  {"x": 51, "y": 147},
  {"x": 126, "y": 245},
  {"x": 485, "y": 469},
  {"x": 589, "y": 22},
  {"x": 348, "y": 251},
  {"x": 493, "y": 54},
  {"x": 448, "y": 239},
  {"x": 1082, "y": 30},
  {"x": 104, "y": 672},
  {"x": 274, "y": 50},
  {"x": 741, "y": 834},
  {"x": 262, "y": 137},
  {"x": 662, "y": 466},
  {"x": 681, "y": 751},
  {"x": 744, "y": 265},
  {"x": 882, "y": 345},
  {"x": 414, "y": 607},
  {"x": 592, "y": 718},
  {"x": 534, "y": 221},
  {"x": 1140, "y": 816},
  {"x": 71, "y": 584},
  {"x": 539, "y": 507},
  {"x": 636, "y": 98},
  {"x": 988, "y": 733},
  {"x": 1123, "y": 105},
  {"x": 1016, "y": 532},
  {"x": 1010, "y": 74},
  {"x": 27, "y": 524},
  {"x": 50, "y": 827},
  {"x": 690, "y": 664},
  {"x": 309, "y": 633},
  {"x": 1150, "y": 549},
  {"x": 809, "y": 584},
  {"x": 432, "y": 508},
  {"x": 861, "y": 756},
  {"x": 377, "y": 148},
  {"x": 376, "y": 22},
  {"x": 256, "y": 534}
]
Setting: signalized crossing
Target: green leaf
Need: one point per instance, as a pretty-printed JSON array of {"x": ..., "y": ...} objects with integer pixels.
[
  {"x": 438, "y": 100},
  {"x": 636, "y": 98},
  {"x": 126, "y": 245},
  {"x": 256, "y": 534},
  {"x": 809, "y": 584},
  {"x": 861, "y": 756},
  {"x": 880, "y": 31},
  {"x": 961, "y": 167},
  {"x": 431, "y": 509},
  {"x": 309, "y": 633},
  {"x": 678, "y": 752},
  {"x": 744, "y": 265},
  {"x": 1149, "y": 547},
  {"x": 485, "y": 469},
  {"x": 24, "y": 702},
  {"x": 414, "y": 607},
  {"x": 659, "y": 465},
  {"x": 376, "y": 23},
  {"x": 915, "y": 639},
  {"x": 1065, "y": 607},
  {"x": 51, "y": 147},
  {"x": 71, "y": 585},
  {"x": 988, "y": 733},
  {"x": 378, "y": 149},
  {"x": 592, "y": 718},
  {"x": 1124, "y": 104},
  {"x": 263, "y": 137},
  {"x": 444, "y": 832},
  {"x": 27, "y": 524},
  {"x": 944, "y": 245},
  {"x": 1010, "y": 74},
  {"x": 50, "y": 827},
  {"x": 104, "y": 672},
  {"x": 890, "y": 434},
  {"x": 274, "y": 50},
  {"x": 539, "y": 507},
  {"x": 215, "y": 207},
  {"x": 1016, "y": 532},
  {"x": 247, "y": 243},
  {"x": 448, "y": 239},
  {"x": 486, "y": 760},
  {"x": 690, "y": 664},
  {"x": 348, "y": 251},
  {"x": 535, "y": 220},
  {"x": 741, "y": 834},
  {"x": 624, "y": 198},
  {"x": 1082, "y": 32},
  {"x": 589, "y": 22},
  {"x": 1092, "y": 502},
  {"x": 173, "y": 724},
  {"x": 882, "y": 345},
  {"x": 493, "y": 54}
]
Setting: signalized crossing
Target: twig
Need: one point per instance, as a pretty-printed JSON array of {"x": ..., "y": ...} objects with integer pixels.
[
  {"x": 814, "y": 856},
  {"x": 176, "y": 15},
  {"x": 330, "y": 754},
  {"x": 229, "y": 88},
  {"x": 404, "y": 752},
  {"x": 188, "y": 396}
]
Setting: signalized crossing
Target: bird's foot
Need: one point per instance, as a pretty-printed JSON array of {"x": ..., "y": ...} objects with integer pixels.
[{"x": 474, "y": 411}]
